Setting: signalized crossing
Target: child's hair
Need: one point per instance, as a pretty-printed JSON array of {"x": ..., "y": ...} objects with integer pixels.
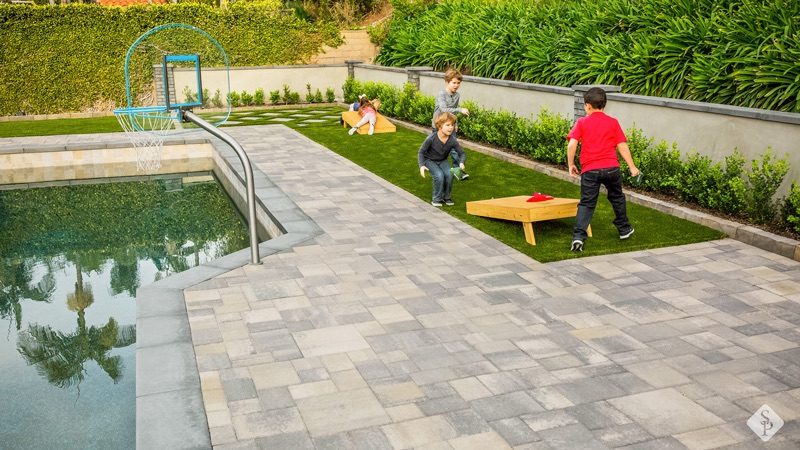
[
  {"x": 451, "y": 73},
  {"x": 362, "y": 97},
  {"x": 443, "y": 118},
  {"x": 374, "y": 104},
  {"x": 596, "y": 97}
]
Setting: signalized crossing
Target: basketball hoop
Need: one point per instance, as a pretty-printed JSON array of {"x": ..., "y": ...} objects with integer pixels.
[{"x": 146, "y": 127}]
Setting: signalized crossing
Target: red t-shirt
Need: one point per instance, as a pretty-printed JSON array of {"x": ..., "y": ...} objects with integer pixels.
[{"x": 599, "y": 135}]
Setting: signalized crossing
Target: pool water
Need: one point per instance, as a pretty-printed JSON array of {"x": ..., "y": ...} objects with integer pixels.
[{"x": 71, "y": 259}]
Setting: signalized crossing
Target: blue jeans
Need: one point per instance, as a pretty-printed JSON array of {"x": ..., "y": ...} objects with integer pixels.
[
  {"x": 442, "y": 179},
  {"x": 590, "y": 189}
]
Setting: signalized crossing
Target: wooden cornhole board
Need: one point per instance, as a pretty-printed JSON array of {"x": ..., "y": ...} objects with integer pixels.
[
  {"x": 520, "y": 210},
  {"x": 382, "y": 125}
]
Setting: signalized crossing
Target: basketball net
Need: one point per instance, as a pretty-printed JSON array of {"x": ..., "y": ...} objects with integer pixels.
[{"x": 146, "y": 128}]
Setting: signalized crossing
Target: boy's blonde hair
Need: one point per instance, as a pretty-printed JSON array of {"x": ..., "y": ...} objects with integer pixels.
[
  {"x": 443, "y": 118},
  {"x": 451, "y": 73}
]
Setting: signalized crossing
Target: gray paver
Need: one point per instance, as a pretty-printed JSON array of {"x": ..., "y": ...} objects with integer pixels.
[{"x": 356, "y": 300}]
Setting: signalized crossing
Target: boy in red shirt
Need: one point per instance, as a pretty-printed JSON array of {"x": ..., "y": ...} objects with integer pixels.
[{"x": 600, "y": 137}]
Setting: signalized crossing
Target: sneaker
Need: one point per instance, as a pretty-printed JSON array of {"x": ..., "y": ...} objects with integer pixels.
[
  {"x": 352, "y": 131},
  {"x": 626, "y": 235},
  {"x": 464, "y": 176},
  {"x": 577, "y": 246},
  {"x": 435, "y": 203},
  {"x": 449, "y": 202}
]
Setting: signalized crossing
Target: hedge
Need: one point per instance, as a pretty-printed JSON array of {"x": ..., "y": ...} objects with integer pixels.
[
  {"x": 70, "y": 58},
  {"x": 736, "y": 52}
]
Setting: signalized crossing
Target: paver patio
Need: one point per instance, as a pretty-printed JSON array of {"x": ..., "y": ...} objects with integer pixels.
[{"x": 401, "y": 327}]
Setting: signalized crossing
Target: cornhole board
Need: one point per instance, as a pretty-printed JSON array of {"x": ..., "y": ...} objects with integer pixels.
[
  {"x": 382, "y": 125},
  {"x": 520, "y": 210}
]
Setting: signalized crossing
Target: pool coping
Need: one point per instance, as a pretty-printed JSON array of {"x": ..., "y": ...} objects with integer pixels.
[{"x": 170, "y": 411}]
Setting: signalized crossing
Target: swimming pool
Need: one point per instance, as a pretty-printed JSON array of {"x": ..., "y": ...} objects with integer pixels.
[{"x": 71, "y": 261}]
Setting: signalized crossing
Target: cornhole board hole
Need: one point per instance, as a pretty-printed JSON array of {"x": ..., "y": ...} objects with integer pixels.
[
  {"x": 520, "y": 210},
  {"x": 382, "y": 125}
]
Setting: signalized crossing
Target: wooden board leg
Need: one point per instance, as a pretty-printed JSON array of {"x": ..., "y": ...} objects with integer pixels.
[
  {"x": 589, "y": 230},
  {"x": 528, "y": 227}
]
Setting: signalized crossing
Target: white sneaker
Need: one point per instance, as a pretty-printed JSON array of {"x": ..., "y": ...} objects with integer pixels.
[
  {"x": 577, "y": 246},
  {"x": 352, "y": 131},
  {"x": 626, "y": 235},
  {"x": 435, "y": 203}
]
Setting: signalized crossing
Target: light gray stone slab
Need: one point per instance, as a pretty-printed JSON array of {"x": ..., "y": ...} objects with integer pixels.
[{"x": 665, "y": 412}]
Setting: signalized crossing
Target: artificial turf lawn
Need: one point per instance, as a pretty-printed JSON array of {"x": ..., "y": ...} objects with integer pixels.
[{"x": 393, "y": 157}]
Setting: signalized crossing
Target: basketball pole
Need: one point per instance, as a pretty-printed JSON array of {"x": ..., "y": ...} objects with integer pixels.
[{"x": 248, "y": 172}]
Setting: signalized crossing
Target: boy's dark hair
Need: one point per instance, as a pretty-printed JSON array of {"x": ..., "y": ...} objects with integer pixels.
[
  {"x": 451, "y": 73},
  {"x": 596, "y": 97}
]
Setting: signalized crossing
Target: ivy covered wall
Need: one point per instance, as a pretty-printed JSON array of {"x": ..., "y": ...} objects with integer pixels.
[{"x": 70, "y": 58}]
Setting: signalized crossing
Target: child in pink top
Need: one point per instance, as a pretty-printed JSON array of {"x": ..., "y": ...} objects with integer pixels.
[
  {"x": 368, "y": 111},
  {"x": 600, "y": 137}
]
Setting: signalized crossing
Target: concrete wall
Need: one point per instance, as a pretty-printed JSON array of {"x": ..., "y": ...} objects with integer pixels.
[
  {"x": 356, "y": 46},
  {"x": 268, "y": 78},
  {"x": 525, "y": 99}
]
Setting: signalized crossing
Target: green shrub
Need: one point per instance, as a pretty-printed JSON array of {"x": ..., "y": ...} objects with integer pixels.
[
  {"x": 189, "y": 96},
  {"x": 763, "y": 182},
  {"x": 288, "y": 97},
  {"x": 309, "y": 94},
  {"x": 258, "y": 97},
  {"x": 217, "y": 99},
  {"x": 739, "y": 52},
  {"x": 247, "y": 99},
  {"x": 791, "y": 209},
  {"x": 234, "y": 99},
  {"x": 330, "y": 95},
  {"x": 662, "y": 167},
  {"x": 275, "y": 97}
]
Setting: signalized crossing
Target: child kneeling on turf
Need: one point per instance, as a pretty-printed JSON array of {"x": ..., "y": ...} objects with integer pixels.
[
  {"x": 433, "y": 155},
  {"x": 369, "y": 113}
]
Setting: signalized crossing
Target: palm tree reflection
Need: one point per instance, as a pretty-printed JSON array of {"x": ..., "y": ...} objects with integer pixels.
[{"x": 61, "y": 357}]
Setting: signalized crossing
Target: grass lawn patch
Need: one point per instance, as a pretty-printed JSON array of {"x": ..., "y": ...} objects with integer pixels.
[
  {"x": 54, "y": 127},
  {"x": 393, "y": 157}
]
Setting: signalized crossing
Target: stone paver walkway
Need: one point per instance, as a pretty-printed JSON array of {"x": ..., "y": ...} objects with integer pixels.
[{"x": 401, "y": 327}]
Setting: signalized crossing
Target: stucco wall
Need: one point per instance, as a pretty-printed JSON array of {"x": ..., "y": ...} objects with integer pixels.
[
  {"x": 356, "y": 46},
  {"x": 269, "y": 78},
  {"x": 709, "y": 129}
]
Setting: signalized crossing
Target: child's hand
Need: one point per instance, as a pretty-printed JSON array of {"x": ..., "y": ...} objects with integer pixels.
[
  {"x": 422, "y": 170},
  {"x": 634, "y": 171},
  {"x": 461, "y": 166},
  {"x": 573, "y": 170},
  {"x": 465, "y": 111}
]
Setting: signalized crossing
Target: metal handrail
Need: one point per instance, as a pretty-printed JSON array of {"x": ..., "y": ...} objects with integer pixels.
[{"x": 248, "y": 173}]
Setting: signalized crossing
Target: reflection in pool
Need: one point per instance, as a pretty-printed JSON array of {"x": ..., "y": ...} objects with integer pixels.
[{"x": 71, "y": 259}]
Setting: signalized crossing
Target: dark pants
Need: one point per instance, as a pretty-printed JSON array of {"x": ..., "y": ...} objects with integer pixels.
[{"x": 590, "y": 190}]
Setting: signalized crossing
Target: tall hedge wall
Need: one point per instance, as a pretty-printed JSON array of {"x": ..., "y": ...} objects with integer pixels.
[
  {"x": 70, "y": 58},
  {"x": 736, "y": 52}
]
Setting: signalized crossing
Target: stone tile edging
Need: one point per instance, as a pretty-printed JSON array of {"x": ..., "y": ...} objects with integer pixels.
[{"x": 750, "y": 235}]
